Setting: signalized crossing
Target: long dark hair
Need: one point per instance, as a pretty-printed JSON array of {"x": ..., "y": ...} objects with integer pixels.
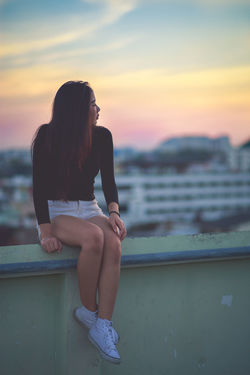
[{"x": 67, "y": 138}]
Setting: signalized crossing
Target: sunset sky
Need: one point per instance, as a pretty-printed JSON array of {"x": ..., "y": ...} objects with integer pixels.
[{"x": 158, "y": 68}]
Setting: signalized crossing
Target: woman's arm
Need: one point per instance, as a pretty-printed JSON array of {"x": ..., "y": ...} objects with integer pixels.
[
  {"x": 107, "y": 170},
  {"x": 45, "y": 229},
  {"x": 39, "y": 177},
  {"x": 113, "y": 206},
  {"x": 109, "y": 185}
]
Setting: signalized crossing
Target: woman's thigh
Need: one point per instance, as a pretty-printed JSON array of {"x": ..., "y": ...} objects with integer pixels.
[{"x": 74, "y": 231}]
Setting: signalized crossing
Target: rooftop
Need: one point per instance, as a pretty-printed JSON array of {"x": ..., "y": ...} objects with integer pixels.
[{"x": 182, "y": 307}]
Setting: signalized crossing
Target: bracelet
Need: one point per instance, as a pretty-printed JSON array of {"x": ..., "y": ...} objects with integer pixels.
[{"x": 114, "y": 212}]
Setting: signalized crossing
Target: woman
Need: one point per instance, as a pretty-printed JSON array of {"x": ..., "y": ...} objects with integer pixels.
[{"x": 67, "y": 154}]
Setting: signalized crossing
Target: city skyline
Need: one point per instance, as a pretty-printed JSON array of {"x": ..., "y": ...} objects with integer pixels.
[
  {"x": 163, "y": 141},
  {"x": 158, "y": 69}
]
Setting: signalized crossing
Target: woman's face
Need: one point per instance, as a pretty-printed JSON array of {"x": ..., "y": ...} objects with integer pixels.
[{"x": 93, "y": 109}]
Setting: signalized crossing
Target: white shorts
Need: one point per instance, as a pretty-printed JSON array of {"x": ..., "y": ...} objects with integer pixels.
[{"x": 81, "y": 209}]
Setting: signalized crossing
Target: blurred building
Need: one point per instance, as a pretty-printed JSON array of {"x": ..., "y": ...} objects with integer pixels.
[
  {"x": 176, "y": 144},
  {"x": 239, "y": 158}
]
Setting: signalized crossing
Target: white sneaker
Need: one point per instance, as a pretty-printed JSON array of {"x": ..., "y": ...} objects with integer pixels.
[
  {"x": 87, "y": 318},
  {"x": 100, "y": 335},
  {"x": 84, "y": 316}
]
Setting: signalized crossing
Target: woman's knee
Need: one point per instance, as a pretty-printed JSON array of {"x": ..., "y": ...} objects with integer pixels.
[
  {"x": 94, "y": 241},
  {"x": 113, "y": 247}
]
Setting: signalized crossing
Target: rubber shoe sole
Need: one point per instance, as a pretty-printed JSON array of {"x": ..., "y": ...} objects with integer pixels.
[{"x": 116, "y": 361}]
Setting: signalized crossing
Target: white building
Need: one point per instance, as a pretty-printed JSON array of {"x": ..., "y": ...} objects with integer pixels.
[
  {"x": 179, "y": 197},
  {"x": 176, "y": 144},
  {"x": 239, "y": 159}
]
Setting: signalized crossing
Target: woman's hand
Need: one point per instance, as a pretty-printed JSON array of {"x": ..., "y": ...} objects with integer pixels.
[
  {"x": 117, "y": 225},
  {"x": 51, "y": 244}
]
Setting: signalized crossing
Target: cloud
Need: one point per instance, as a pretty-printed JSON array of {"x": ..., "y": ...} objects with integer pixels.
[
  {"x": 77, "y": 52},
  {"x": 208, "y": 3},
  {"x": 17, "y": 48},
  {"x": 121, "y": 6},
  {"x": 33, "y": 81},
  {"x": 220, "y": 2},
  {"x": 150, "y": 89},
  {"x": 158, "y": 89},
  {"x": 112, "y": 11}
]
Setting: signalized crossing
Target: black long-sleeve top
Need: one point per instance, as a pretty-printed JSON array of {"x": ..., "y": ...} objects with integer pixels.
[{"x": 81, "y": 182}]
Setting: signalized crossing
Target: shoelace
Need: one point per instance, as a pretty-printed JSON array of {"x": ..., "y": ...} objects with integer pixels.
[
  {"x": 109, "y": 336},
  {"x": 111, "y": 326},
  {"x": 113, "y": 332}
]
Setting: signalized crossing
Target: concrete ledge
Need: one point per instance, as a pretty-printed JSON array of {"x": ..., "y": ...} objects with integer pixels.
[
  {"x": 135, "y": 252},
  {"x": 182, "y": 307},
  {"x": 134, "y": 260}
]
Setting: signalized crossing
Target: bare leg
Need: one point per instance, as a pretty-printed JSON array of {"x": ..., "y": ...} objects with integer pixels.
[
  {"x": 99, "y": 260},
  {"x": 88, "y": 269},
  {"x": 108, "y": 284},
  {"x": 79, "y": 232},
  {"x": 110, "y": 269}
]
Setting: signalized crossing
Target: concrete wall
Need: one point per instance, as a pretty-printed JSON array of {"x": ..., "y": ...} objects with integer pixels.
[{"x": 183, "y": 307}]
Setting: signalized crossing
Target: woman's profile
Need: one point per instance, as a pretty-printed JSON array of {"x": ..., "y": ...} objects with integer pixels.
[{"x": 67, "y": 154}]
